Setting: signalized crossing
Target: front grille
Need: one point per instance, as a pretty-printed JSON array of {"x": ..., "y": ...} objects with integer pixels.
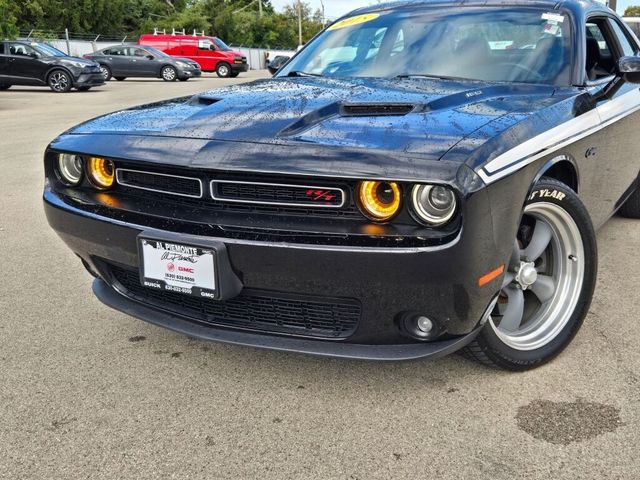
[
  {"x": 238, "y": 194},
  {"x": 157, "y": 182},
  {"x": 330, "y": 318},
  {"x": 278, "y": 194}
]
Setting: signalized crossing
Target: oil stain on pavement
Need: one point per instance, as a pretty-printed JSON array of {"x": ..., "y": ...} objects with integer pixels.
[{"x": 562, "y": 423}]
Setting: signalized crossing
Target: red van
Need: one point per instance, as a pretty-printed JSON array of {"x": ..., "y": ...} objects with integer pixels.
[{"x": 211, "y": 53}]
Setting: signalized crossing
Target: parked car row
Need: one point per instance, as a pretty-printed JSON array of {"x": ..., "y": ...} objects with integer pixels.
[{"x": 169, "y": 57}]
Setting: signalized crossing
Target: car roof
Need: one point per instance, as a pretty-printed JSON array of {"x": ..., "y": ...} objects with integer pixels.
[{"x": 573, "y": 5}]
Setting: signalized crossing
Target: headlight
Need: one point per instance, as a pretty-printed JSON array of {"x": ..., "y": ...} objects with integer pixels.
[
  {"x": 184, "y": 64},
  {"x": 380, "y": 201},
  {"x": 434, "y": 205},
  {"x": 70, "y": 168},
  {"x": 101, "y": 172}
]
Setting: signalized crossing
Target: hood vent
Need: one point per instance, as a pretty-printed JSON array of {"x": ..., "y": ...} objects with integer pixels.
[
  {"x": 377, "y": 110},
  {"x": 203, "y": 101}
]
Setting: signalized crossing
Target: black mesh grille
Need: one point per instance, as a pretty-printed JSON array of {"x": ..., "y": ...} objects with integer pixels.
[
  {"x": 165, "y": 183},
  {"x": 273, "y": 193},
  {"x": 256, "y": 310}
]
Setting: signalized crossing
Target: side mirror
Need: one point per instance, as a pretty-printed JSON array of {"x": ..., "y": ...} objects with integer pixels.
[{"x": 629, "y": 69}]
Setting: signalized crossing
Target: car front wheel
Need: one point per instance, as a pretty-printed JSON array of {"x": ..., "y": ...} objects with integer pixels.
[
  {"x": 60, "y": 81},
  {"x": 169, "y": 74},
  {"x": 548, "y": 286},
  {"x": 223, "y": 70},
  {"x": 106, "y": 72}
]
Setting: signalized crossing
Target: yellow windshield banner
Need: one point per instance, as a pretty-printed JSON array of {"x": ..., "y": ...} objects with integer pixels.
[{"x": 350, "y": 22}]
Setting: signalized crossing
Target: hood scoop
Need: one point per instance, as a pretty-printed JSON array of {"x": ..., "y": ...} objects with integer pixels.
[
  {"x": 203, "y": 101},
  {"x": 347, "y": 110},
  {"x": 377, "y": 110}
]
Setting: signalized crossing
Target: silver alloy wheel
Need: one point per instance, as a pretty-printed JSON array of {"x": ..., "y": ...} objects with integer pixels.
[
  {"x": 105, "y": 72},
  {"x": 223, "y": 70},
  {"x": 169, "y": 74},
  {"x": 59, "y": 81},
  {"x": 544, "y": 281}
]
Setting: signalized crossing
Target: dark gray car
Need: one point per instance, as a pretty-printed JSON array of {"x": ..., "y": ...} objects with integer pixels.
[{"x": 122, "y": 61}]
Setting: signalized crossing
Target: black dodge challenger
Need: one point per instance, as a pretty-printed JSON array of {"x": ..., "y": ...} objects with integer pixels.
[{"x": 423, "y": 177}]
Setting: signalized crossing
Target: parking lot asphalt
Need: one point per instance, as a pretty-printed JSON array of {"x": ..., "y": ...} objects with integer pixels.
[{"x": 86, "y": 392}]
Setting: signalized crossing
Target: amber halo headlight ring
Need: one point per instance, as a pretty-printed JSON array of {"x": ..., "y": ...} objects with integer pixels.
[
  {"x": 70, "y": 168},
  {"x": 379, "y": 201},
  {"x": 433, "y": 205},
  {"x": 101, "y": 172}
]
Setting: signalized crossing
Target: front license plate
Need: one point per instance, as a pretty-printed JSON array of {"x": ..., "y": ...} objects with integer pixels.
[{"x": 178, "y": 268}]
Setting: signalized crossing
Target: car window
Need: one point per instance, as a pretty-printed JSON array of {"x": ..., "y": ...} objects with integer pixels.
[
  {"x": 20, "y": 49},
  {"x": 137, "y": 52},
  {"x": 627, "y": 49},
  {"x": 600, "y": 57},
  {"x": 116, "y": 51}
]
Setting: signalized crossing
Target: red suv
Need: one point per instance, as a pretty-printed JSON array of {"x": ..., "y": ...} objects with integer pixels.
[{"x": 211, "y": 53}]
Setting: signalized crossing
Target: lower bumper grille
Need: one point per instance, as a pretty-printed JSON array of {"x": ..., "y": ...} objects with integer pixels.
[{"x": 330, "y": 318}]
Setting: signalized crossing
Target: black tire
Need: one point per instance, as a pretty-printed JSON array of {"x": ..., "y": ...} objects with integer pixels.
[
  {"x": 223, "y": 70},
  {"x": 169, "y": 73},
  {"x": 106, "y": 72},
  {"x": 234, "y": 74},
  {"x": 60, "y": 81},
  {"x": 84, "y": 89},
  {"x": 4, "y": 86},
  {"x": 489, "y": 348},
  {"x": 631, "y": 208},
  {"x": 183, "y": 79},
  {"x": 121, "y": 79}
]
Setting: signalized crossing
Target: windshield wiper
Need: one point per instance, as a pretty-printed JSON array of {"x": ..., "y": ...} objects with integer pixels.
[
  {"x": 426, "y": 75},
  {"x": 298, "y": 73}
]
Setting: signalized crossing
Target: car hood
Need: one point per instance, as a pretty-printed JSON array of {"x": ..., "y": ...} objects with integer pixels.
[{"x": 416, "y": 115}]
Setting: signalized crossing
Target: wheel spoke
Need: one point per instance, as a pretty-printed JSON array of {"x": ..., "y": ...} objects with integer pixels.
[
  {"x": 512, "y": 317},
  {"x": 544, "y": 288},
  {"x": 508, "y": 278},
  {"x": 540, "y": 240}
]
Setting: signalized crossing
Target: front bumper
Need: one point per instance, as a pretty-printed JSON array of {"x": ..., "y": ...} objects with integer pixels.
[
  {"x": 440, "y": 282},
  {"x": 192, "y": 73},
  {"x": 89, "y": 80},
  {"x": 239, "y": 67}
]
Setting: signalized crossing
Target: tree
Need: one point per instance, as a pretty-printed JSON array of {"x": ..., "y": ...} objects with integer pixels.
[
  {"x": 8, "y": 28},
  {"x": 632, "y": 11}
]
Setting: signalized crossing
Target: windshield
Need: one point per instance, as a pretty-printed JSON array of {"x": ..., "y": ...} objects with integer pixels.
[
  {"x": 221, "y": 45},
  {"x": 47, "y": 50},
  {"x": 156, "y": 52},
  {"x": 502, "y": 45}
]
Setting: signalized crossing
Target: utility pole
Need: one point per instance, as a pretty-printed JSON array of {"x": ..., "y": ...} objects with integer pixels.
[
  {"x": 300, "y": 22},
  {"x": 260, "y": 7},
  {"x": 324, "y": 18}
]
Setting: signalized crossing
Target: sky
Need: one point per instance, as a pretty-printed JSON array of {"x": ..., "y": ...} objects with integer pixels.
[
  {"x": 333, "y": 8},
  {"x": 337, "y": 8}
]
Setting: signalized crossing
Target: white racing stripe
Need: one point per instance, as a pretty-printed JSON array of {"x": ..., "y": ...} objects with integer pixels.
[{"x": 560, "y": 136}]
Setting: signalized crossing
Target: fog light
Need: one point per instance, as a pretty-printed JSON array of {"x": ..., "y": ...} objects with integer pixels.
[
  {"x": 70, "y": 168},
  {"x": 101, "y": 172},
  {"x": 424, "y": 325},
  {"x": 419, "y": 327}
]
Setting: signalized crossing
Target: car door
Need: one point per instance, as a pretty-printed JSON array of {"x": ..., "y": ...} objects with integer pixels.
[
  {"x": 143, "y": 63},
  {"x": 25, "y": 64},
  {"x": 611, "y": 161},
  {"x": 4, "y": 64},
  {"x": 118, "y": 61}
]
